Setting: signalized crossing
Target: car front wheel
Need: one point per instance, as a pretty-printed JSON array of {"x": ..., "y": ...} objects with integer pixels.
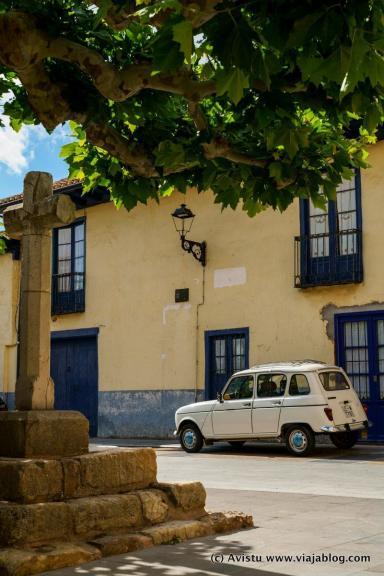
[
  {"x": 191, "y": 439},
  {"x": 344, "y": 440},
  {"x": 300, "y": 440}
]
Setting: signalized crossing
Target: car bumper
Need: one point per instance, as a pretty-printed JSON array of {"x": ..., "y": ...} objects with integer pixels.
[{"x": 346, "y": 427}]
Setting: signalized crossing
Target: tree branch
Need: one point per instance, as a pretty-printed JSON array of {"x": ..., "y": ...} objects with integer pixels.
[
  {"x": 46, "y": 98},
  {"x": 34, "y": 45},
  {"x": 131, "y": 155},
  {"x": 198, "y": 116},
  {"x": 198, "y": 12},
  {"x": 220, "y": 149},
  {"x": 118, "y": 85}
]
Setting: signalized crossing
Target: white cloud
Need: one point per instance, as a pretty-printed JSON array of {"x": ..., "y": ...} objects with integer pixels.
[
  {"x": 17, "y": 148},
  {"x": 14, "y": 147}
]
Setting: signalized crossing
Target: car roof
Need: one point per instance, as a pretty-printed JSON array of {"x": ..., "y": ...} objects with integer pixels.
[{"x": 294, "y": 366}]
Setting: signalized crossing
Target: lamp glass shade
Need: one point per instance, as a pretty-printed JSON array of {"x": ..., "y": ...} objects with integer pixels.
[{"x": 183, "y": 219}]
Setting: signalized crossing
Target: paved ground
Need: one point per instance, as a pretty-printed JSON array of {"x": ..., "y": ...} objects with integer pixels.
[{"x": 328, "y": 505}]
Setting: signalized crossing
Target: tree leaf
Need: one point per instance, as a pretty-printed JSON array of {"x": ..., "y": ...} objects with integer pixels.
[
  {"x": 68, "y": 150},
  {"x": 275, "y": 170},
  {"x": 301, "y": 29},
  {"x": 232, "y": 83},
  {"x": 183, "y": 34},
  {"x": 170, "y": 154},
  {"x": 356, "y": 71},
  {"x": 334, "y": 68}
]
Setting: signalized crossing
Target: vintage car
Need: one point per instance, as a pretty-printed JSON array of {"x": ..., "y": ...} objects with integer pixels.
[{"x": 291, "y": 401}]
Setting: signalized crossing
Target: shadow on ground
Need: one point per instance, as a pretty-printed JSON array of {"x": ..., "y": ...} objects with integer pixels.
[
  {"x": 360, "y": 452},
  {"x": 184, "y": 559}
]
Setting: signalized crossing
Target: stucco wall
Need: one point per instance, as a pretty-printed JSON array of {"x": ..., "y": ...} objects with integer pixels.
[
  {"x": 9, "y": 286},
  {"x": 147, "y": 343}
]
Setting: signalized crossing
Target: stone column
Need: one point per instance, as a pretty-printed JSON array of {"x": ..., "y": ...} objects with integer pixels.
[{"x": 35, "y": 429}]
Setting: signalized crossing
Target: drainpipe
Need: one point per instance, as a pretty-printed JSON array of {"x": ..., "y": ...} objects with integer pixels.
[{"x": 197, "y": 332}]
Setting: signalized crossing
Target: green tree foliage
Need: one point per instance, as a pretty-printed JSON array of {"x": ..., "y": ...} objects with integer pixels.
[{"x": 261, "y": 101}]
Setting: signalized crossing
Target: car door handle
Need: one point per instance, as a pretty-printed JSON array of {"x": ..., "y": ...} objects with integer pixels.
[
  {"x": 276, "y": 402},
  {"x": 247, "y": 404}
]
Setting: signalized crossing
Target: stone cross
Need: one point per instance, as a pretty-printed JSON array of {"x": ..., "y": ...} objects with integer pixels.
[{"x": 33, "y": 222}]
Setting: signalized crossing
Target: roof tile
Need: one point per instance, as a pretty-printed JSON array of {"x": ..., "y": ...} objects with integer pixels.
[{"x": 58, "y": 185}]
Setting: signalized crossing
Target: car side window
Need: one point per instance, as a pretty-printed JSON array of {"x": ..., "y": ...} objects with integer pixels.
[
  {"x": 239, "y": 387},
  {"x": 299, "y": 385},
  {"x": 271, "y": 385}
]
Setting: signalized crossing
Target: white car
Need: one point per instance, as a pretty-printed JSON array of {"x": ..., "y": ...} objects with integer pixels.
[{"x": 291, "y": 401}]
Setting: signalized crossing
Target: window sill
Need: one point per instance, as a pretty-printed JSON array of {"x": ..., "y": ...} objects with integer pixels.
[{"x": 313, "y": 282}]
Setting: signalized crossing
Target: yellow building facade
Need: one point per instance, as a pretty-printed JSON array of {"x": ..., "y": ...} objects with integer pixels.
[{"x": 131, "y": 354}]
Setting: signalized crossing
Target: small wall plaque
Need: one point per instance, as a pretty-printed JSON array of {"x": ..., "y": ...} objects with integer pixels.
[{"x": 182, "y": 295}]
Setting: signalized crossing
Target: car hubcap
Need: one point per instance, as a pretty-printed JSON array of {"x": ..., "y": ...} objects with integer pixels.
[
  {"x": 298, "y": 440},
  {"x": 189, "y": 438}
]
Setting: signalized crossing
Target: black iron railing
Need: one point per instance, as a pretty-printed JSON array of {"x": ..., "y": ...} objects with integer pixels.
[
  {"x": 68, "y": 293},
  {"x": 324, "y": 259}
]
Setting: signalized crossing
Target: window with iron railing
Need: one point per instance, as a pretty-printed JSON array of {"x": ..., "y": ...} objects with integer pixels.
[
  {"x": 329, "y": 248},
  {"x": 68, "y": 279}
]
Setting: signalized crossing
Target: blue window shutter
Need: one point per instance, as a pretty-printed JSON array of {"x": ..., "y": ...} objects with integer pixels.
[
  {"x": 334, "y": 267},
  {"x": 68, "y": 289}
]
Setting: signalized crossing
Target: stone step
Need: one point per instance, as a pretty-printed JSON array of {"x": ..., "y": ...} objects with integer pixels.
[
  {"x": 43, "y": 480},
  {"x": 41, "y": 558},
  {"x": 84, "y": 518}
]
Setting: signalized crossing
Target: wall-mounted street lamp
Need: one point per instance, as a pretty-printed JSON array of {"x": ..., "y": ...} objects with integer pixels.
[{"x": 183, "y": 220}]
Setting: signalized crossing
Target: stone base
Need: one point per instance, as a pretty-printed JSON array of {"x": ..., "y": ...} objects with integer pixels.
[
  {"x": 43, "y": 434},
  {"x": 66, "y": 511},
  {"x": 42, "y": 558}
]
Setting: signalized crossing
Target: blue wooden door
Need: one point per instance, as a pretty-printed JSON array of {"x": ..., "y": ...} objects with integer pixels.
[
  {"x": 226, "y": 352},
  {"x": 360, "y": 351},
  {"x": 74, "y": 369}
]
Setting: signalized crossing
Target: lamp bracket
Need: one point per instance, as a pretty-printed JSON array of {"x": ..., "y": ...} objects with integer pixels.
[{"x": 197, "y": 249}]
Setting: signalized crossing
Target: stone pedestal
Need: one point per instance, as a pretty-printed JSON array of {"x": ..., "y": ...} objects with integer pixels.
[
  {"x": 43, "y": 434},
  {"x": 66, "y": 511}
]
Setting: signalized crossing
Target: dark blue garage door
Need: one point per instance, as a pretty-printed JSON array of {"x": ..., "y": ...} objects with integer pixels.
[
  {"x": 74, "y": 369},
  {"x": 360, "y": 351}
]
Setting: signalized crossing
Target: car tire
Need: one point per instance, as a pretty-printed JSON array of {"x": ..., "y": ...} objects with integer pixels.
[
  {"x": 300, "y": 440},
  {"x": 191, "y": 439},
  {"x": 344, "y": 440},
  {"x": 237, "y": 443}
]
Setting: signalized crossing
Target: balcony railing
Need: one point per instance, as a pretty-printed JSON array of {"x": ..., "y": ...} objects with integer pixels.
[
  {"x": 324, "y": 259},
  {"x": 68, "y": 293}
]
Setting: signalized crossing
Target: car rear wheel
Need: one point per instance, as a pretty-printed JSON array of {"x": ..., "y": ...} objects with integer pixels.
[
  {"x": 300, "y": 440},
  {"x": 191, "y": 439},
  {"x": 344, "y": 440},
  {"x": 237, "y": 443}
]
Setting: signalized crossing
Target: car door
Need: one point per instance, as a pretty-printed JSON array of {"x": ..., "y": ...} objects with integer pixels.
[
  {"x": 266, "y": 406},
  {"x": 232, "y": 416}
]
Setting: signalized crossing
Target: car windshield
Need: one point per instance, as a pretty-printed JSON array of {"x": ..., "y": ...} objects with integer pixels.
[{"x": 333, "y": 381}]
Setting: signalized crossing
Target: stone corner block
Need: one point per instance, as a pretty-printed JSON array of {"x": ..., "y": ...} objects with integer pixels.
[
  {"x": 43, "y": 434},
  {"x": 155, "y": 506},
  {"x": 121, "y": 543},
  {"x": 187, "y": 495},
  {"x": 109, "y": 472},
  {"x": 225, "y": 522},
  {"x": 32, "y": 480},
  {"x": 17, "y": 562}
]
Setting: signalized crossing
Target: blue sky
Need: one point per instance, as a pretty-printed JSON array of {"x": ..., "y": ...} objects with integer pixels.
[{"x": 30, "y": 149}]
